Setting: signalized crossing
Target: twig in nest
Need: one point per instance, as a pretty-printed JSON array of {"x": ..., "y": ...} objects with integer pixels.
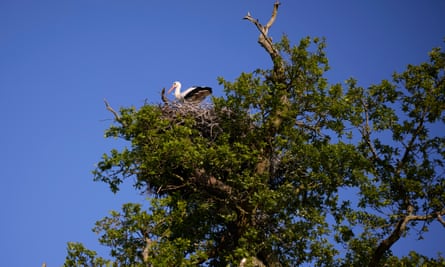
[{"x": 205, "y": 117}]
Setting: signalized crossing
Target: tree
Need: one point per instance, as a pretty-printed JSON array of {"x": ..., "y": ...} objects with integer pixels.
[
  {"x": 405, "y": 185},
  {"x": 256, "y": 178}
]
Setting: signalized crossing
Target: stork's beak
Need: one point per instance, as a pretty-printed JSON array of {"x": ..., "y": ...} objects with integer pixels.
[{"x": 171, "y": 89}]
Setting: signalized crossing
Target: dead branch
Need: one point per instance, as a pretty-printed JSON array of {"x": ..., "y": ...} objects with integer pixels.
[
  {"x": 266, "y": 41},
  {"x": 439, "y": 217},
  {"x": 116, "y": 115},
  {"x": 278, "y": 74}
]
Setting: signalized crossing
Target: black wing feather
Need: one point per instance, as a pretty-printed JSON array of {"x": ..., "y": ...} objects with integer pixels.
[{"x": 198, "y": 93}]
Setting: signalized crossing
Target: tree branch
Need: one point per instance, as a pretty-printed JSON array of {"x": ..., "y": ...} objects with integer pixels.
[
  {"x": 146, "y": 251},
  {"x": 273, "y": 16},
  {"x": 366, "y": 133},
  {"x": 398, "y": 231},
  {"x": 116, "y": 115},
  {"x": 409, "y": 147},
  {"x": 278, "y": 74},
  {"x": 266, "y": 42},
  {"x": 211, "y": 181},
  {"x": 440, "y": 219}
]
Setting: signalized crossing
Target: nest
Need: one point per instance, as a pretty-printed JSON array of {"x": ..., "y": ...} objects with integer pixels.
[{"x": 206, "y": 118}]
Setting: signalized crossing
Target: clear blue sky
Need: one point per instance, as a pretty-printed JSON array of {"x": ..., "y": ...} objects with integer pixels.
[{"x": 60, "y": 58}]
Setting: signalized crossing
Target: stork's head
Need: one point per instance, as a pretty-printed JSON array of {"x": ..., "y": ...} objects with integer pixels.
[{"x": 175, "y": 85}]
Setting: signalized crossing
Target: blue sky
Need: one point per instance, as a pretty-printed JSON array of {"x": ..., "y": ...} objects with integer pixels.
[{"x": 59, "y": 59}]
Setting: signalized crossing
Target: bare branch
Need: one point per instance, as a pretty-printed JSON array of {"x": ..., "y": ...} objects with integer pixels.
[
  {"x": 439, "y": 217},
  {"x": 273, "y": 17},
  {"x": 266, "y": 42},
  {"x": 116, "y": 115}
]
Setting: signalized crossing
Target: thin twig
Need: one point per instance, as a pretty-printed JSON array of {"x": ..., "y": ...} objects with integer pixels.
[{"x": 366, "y": 132}]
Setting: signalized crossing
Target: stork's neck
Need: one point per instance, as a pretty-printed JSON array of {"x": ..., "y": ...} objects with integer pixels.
[{"x": 178, "y": 91}]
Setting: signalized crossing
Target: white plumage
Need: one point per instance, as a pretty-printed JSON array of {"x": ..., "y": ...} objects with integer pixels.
[{"x": 193, "y": 94}]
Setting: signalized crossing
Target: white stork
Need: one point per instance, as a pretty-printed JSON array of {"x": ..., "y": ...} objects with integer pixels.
[{"x": 193, "y": 94}]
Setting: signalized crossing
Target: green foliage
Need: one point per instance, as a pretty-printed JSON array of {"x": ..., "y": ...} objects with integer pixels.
[
  {"x": 78, "y": 255},
  {"x": 260, "y": 173},
  {"x": 415, "y": 259},
  {"x": 399, "y": 124}
]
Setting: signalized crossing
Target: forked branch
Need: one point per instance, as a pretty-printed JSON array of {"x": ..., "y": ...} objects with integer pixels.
[
  {"x": 266, "y": 41},
  {"x": 399, "y": 229},
  {"x": 116, "y": 115}
]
